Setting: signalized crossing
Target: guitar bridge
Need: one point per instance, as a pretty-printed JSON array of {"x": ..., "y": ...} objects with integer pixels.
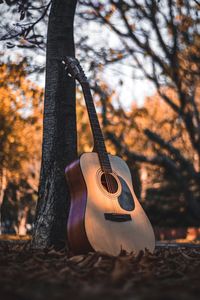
[{"x": 114, "y": 217}]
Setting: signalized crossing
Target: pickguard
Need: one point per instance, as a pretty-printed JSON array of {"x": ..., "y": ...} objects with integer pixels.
[{"x": 125, "y": 199}]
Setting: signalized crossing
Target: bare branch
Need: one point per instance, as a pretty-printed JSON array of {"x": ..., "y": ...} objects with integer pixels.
[
  {"x": 160, "y": 160},
  {"x": 171, "y": 149}
]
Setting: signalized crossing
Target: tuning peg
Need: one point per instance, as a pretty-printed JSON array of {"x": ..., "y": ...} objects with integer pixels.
[{"x": 66, "y": 68}]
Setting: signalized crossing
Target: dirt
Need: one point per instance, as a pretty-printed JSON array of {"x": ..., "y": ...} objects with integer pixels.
[{"x": 170, "y": 273}]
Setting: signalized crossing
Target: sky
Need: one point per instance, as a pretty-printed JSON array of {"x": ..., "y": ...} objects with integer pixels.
[{"x": 132, "y": 90}]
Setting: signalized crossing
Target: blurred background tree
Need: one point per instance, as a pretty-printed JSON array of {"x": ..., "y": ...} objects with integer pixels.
[{"x": 20, "y": 139}]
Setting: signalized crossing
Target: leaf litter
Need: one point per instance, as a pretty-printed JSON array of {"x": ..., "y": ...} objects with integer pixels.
[{"x": 36, "y": 274}]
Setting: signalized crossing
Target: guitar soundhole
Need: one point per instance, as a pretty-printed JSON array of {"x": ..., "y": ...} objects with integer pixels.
[{"x": 109, "y": 183}]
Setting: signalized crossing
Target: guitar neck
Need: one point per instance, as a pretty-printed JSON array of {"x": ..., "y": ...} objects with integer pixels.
[{"x": 99, "y": 143}]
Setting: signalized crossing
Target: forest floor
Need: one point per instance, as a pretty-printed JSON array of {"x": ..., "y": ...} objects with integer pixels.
[{"x": 170, "y": 273}]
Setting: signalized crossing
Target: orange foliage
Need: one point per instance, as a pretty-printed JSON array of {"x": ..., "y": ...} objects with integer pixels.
[
  {"x": 21, "y": 121},
  {"x": 20, "y": 144}
]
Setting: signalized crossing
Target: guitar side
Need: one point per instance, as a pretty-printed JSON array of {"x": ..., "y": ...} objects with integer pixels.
[
  {"x": 76, "y": 234},
  {"x": 88, "y": 229}
]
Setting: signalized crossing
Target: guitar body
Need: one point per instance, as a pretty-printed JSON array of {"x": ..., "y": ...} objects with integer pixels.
[{"x": 101, "y": 219}]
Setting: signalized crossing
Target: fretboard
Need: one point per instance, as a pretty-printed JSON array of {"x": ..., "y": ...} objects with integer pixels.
[{"x": 99, "y": 143}]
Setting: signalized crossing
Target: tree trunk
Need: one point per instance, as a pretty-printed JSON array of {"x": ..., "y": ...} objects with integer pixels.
[{"x": 59, "y": 132}]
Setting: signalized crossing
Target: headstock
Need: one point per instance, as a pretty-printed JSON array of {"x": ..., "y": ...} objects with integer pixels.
[{"x": 74, "y": 69}]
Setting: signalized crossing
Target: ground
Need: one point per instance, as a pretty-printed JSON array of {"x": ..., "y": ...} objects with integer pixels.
[{"x": 170, "y": 273}]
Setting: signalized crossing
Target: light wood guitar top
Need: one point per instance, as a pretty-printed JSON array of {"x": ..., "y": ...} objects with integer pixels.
[{"x": 106, "y": 235}]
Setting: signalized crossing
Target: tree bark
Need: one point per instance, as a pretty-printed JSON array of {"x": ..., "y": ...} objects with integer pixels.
[{"x": 59, "y": 130}]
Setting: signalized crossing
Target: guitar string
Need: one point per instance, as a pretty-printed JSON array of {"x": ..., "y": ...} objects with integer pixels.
[
  {"x": 86, "y": 89},
  {"x": 108, "y": 182},
  {"x": 110, "y": 186}
]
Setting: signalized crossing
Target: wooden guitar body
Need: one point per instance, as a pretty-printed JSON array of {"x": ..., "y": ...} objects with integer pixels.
[
  {"x": 101, "y": 220},
  {"x": 105, "y": 214}
]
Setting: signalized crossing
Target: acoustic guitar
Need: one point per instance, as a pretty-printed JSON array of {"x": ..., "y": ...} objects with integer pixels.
[{"x": 105, "y": 214}]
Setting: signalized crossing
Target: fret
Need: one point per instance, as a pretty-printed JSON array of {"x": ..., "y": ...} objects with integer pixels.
[
  {"x": 99, "y": 134},
  {"x": 96, "y": 130},
  {"x": 99, "y": 140},
  {"x": 102, "y": 149},
  {"x": 91, "y": 109},
  {"x": 95, "y": 124},
  {"x": 73, "y": 67},
  {"x": 98, "y": 137},
  {"x": 90, "y": 104},
  {"x": 105, "y": 165},
  {"x": 94, "y": 121},
  {"x": 100, "y": 144},
  {"x": 106, "y": 170},
  {"x": 93, "y": 115},
  {"x": 104, "y": 161},
  {"x": 104, "y": 158}
]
